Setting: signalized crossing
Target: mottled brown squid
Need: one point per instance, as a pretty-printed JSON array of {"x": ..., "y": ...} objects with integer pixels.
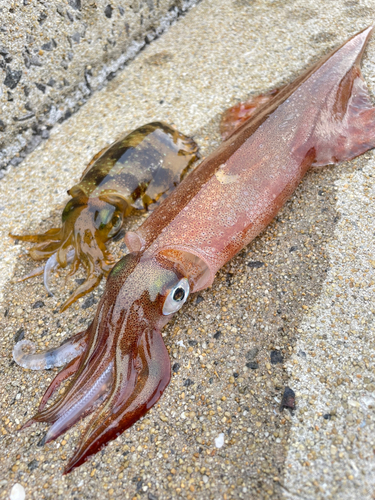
[
  {"x": 120, "y": 367},
  {"x": 134, "y": 172}
]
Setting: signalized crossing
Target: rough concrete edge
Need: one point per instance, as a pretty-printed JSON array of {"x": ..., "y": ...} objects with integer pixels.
[{"x": 20, "y": 148}]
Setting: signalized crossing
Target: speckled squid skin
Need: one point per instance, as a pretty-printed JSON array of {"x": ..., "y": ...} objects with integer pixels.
[
  {"x": 325, "y": 116},
  {"x": 135, "y": 172}
]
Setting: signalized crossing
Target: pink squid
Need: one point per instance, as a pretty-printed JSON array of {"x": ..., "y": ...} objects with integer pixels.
[{"x": 119, "y": 365}]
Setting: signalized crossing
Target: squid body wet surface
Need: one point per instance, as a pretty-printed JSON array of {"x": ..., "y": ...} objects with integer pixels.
[{"x": 277, "y": 315}]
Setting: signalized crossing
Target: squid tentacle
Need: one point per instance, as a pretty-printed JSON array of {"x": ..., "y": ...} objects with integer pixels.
[
  {"x": 53, "y": 234},
  {"x": 141, "y": 383},
  {"x": 79, "y": 386},
  {"x": 35, "y": 272},
  {"x": 74, "y": 267},
  {"x": 25, "y": 356},
  {"x": 62, "y": 252},
  {"x": 83, "y": 406},
  {"x": 44, "y": 250},
  {"x": 51, "y": 265},
  {"x": 67, "y": 372},
  {"x": 95, "y": 266},
  {"x": 93, "y": 363},
  {"x": 48, "y": 246},
  {"x": 76, "y": 407},
  {"x": 87, "y": 286}
]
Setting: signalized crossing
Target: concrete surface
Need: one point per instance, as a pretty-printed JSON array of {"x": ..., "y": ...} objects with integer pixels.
[
  {"x": 295, "y": 308},
  {"x": 55, "y": 54}
]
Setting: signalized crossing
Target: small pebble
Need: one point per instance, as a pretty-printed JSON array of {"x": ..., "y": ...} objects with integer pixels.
[
  {"x": 252, "y": 354},
  {"x": 33, "y": 465},
  {"x": 289, "y": 399},
  {"x": 255, "y": 264},
  {"x": 175, "y": 367},
  {"x": 38, "y": 304},
  {"x": 20, "y": 334},
  {"x": 17, "y": 492},
  {"x": 219, "y": 441},
  {"x": 276, "y": 357},
  {"x": 199, "y": 299},
  {"x": 89, "y": 303}
]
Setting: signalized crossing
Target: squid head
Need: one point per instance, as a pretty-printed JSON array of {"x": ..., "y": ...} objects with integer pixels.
[{"x": 124, "y": 367}]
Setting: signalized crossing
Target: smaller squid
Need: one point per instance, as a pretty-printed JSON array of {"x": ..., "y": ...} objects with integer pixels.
[{"x": 134, "y": 173}]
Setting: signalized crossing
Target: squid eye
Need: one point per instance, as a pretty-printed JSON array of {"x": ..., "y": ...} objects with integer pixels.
[
  {"x": 116, "y": 225},
  {"x": 176, "y": 297}
]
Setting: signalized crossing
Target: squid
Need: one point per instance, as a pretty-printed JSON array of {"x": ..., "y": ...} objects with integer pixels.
[
  {"x": 120, "y": 365},
  {"x": 134, "y": 173}
]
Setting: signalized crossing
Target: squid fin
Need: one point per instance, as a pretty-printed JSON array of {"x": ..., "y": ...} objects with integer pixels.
[
  {"x": 351, "y": 131},
  {"x": 238, "y": 114}
]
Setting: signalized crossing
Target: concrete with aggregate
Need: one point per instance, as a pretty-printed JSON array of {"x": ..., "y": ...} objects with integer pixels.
[
  {"x": 294, "y": 309},
  {"x": 55, "y": 55}
]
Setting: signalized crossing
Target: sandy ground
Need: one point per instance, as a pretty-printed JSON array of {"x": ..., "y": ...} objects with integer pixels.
[{"x": 294, "y": 309}]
